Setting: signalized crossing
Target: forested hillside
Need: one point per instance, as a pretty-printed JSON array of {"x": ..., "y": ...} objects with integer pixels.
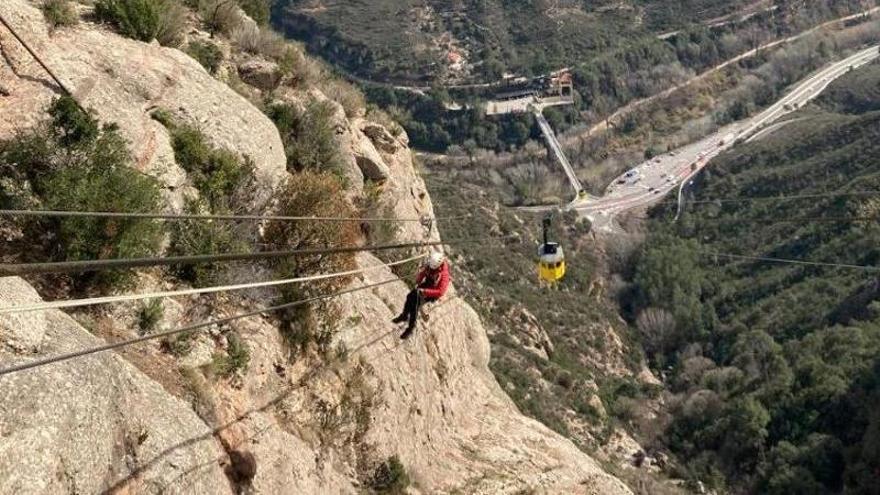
[
  {"x": 773, "y": 368},
  {"x": 410, "y": 39},
  {"x": 614, "y": 50}
]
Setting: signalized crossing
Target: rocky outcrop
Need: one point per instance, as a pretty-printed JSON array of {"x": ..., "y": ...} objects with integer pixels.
[
  {"x": 123, "y": 80},
  {"x": 406, "y": 191},
  {"x": 528, "y": 332},
  {"x": 381, "y": 137},
  {"x": 261, "y": 74},
  {"x": 95, "y": 424}
]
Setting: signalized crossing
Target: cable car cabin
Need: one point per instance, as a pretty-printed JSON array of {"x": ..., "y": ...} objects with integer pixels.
[{"x": 551, "y": 263}]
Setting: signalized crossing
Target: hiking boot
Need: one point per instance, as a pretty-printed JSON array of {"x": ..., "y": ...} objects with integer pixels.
[
  {"x": 405, "y": 335},
  {"x": 399, "y": 319}
]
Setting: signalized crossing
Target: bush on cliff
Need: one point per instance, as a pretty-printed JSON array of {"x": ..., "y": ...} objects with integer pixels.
[
  {"x": 72, "y": 162},
  {"x": 145, "y": 20},
  {"x": 310, "y": 193}
]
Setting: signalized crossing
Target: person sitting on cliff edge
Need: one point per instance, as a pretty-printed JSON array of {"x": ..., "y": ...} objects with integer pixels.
[{"x": 431, "y": 284}]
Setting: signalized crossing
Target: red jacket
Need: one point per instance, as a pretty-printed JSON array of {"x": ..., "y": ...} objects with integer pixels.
[{"x": 433, "y": 282}]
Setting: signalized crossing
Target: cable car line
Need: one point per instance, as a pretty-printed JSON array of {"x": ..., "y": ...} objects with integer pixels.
[
  {"x": 185, "y": 216},
  {"x": 19, "y": 269},
  {"x": 802, "y": 220},
  {"x": 780, "y": 198},
  {"x": 78, "y": 303},
  {"x": 189, "y": 328},
  {"x": 767, "y": 259}
]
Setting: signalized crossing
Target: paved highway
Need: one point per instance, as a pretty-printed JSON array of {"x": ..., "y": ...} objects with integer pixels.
[
  {"x": 653, "y": 179},
  {"x": 569, "y": 139}
]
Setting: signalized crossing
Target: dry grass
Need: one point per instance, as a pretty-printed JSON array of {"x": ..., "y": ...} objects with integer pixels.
[
  {"x": 347, "y": 95},
  {"x": 257, "y": 41},
  {"x": 59, "y": 13},
  {"x": 220, "y": 16}
]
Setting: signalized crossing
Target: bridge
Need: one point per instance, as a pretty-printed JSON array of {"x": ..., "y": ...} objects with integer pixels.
[{"x": 556, "y": 149}]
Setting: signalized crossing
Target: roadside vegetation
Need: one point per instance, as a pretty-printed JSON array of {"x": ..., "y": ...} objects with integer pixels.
[
  {"x": 529, "y": 176},
  {"x": 772, "y": 369}
]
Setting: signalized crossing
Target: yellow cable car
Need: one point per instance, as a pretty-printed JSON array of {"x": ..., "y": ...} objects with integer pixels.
[{"x": 551, "y": 259}]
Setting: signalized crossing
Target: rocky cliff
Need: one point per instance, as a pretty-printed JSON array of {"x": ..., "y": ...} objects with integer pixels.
[{"x": 145, "y": 421}]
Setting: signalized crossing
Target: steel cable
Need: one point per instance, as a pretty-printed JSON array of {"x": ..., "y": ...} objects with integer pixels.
[
  {"x": 78, "y": 303},
  {"x": 189, "y": 328}
]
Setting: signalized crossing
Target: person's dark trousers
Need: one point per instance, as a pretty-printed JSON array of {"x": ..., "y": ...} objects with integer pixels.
[{"x": 414, "y": 301}]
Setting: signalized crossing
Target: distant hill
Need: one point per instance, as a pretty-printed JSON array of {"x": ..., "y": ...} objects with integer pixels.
[{"x": 426, "y": 40}]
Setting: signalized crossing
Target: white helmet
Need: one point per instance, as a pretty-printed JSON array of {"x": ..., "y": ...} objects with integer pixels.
[{"x": 435, "y": 260}]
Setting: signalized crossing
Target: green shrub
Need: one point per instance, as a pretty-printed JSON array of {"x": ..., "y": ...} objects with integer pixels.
[
  {"x": 236, "y": 358},
  {"x": 207, "y": 54},
  {"x": 145, "y": 20},
  {"x": 71, "y": 126},
  {"x": 150, "y": 315},
  {"x": 95, "y": 188},
  {"x": 309, "y": 136},
  {"x": 59, "y": 13},
  {"x": 311, "y": 193},
  {"x": 192, "y": 237},
  {"x": 25, "y": 160},
  {"x": 219, "y": 177},
  {"x": 70, "y": 163},
  {"x": 191, "y": 147},
  {"x": 216, "y": 173},
  {"x": 163, "y": 117},
  {"x": 258, "y": 10},
  {"x": 390, "y": 477}
]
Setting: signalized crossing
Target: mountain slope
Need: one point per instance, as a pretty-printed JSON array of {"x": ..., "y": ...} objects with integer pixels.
[
  {"x": 413, "y": 40},
  {"x": 309, "y": 416},
  {"x": 773, "y": 367}
]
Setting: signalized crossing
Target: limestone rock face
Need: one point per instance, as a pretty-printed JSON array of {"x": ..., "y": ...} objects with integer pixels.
[
  {"x": 123, "y": 80},
  {"x": 380, "y": 137},
  {"x": 261, "y": 74},
  {"x": 24, "y": 332},
  {"x": 443, "y": 411},
  {"x": 88, "y": 425},
  {"x": 530, "y": 333},
  {"x": 404, "y": 189}
]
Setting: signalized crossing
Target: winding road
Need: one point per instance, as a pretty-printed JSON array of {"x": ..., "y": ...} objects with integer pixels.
[
  {"x": 570, "y": 139},
  {"x": 652, "y": 180}
]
